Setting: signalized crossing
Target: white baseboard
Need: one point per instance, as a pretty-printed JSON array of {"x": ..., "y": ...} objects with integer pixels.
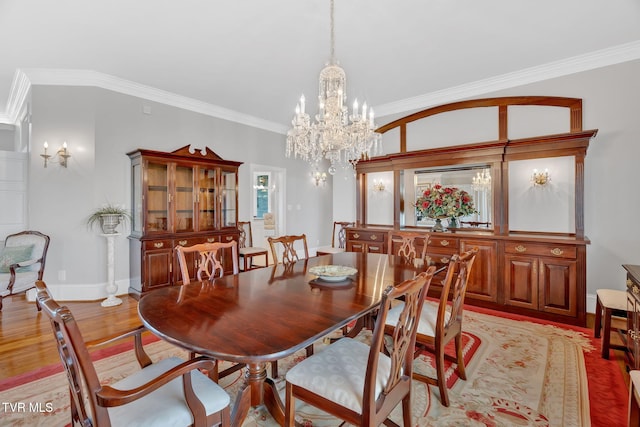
[{"x": 84, "y": 292}]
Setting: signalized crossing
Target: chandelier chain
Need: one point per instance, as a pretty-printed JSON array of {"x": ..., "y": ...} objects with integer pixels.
[{"x": 333, "y": 36}]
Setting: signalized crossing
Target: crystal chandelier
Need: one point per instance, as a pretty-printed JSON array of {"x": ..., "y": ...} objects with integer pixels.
[
  {"x": 336, "y": 135},
  {"x": 482, "y": 181}
]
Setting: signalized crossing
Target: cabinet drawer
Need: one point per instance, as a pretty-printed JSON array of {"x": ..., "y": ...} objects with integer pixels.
[
  {"x": 525, "y": 248},
  {"x": 368, "y": 236},
  {"x": 442, "y": 243},
  {"x": 155, "y": 245}
]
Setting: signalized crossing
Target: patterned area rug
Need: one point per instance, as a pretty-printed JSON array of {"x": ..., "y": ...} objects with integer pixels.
[{"x": 519, "y": 374}]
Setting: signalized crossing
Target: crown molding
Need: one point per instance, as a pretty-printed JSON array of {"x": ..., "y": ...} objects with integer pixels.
[
  {"x": 597, "y": 59},
  {"x": 63, "y": 77},
  {"x": 25, "y": 78},
  {"x": 17, "y": 98}
]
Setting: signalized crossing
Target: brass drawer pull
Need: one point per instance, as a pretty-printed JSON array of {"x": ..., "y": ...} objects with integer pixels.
[
  {"x": 211, "y": 239},
  {"x": 374, "y": 237},
  {"x": 444, "y": 242},
  {"x": 356, "y": 236},
  {"x": 229, "y": 238},
  {"x": 444, "y": 260},
  {"x": 182, "y": 242},
  {"x": 557, "y": 251},
  {"x": 374, "y": 248},
  {"x": 520, "y": 249},
  {"x": 158, "y": 245}
]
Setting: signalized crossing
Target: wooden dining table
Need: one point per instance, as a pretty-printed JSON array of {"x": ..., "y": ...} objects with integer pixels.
[{"x": 267, "y": 314}]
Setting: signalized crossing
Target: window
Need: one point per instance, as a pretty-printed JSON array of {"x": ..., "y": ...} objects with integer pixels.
[{"x": 263, "y": 188}]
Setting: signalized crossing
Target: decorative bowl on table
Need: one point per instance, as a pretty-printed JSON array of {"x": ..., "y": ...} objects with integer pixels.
[{"x": 332, "y": 273}]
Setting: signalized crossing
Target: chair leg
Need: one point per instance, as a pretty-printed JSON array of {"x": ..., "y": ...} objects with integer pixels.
[
  {"x": 598, "y": 321},
  {"x": 460, "y": 357},
  {"x": 289, "y": 410},
  {"x": 442, "y": 383},
  {"x": 606, "y": 333},
  {"x": 407, "y": 420},
  {"x": 274, "y": 369}
]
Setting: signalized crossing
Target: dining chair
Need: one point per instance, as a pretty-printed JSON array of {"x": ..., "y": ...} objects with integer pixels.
[
  {"x": 339, "y": 234},
  {"x": 409, "y": 245},
  {"x": 22, "y": 262},
  {"x": 356, "y": 382},
  {"x": 441, "y": 323},
  {"x": 289, "y": 253},
  {"x": 209, "y": 266},
  {"x": 208, "y": 260},
  {"x": 168, "y": 392},
  {"x": 246, "y": 250}
]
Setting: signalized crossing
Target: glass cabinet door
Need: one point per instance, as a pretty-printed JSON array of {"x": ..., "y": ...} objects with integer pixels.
[
  {"x": 229, "y": 200},
  {"x": 136, "y": 219},
  {"x": 184, "y": 206},
  {"x": 157, "y": 203},
  {"x": 206, "y": 199}
]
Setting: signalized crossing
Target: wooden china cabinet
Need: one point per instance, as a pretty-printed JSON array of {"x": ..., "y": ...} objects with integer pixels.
[
  {"x": 178, "y": 198},
  {"x": 530, "y": 271}
]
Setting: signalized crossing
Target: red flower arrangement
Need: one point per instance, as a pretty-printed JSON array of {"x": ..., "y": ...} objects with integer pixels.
[{"x": 445, "y": 202}]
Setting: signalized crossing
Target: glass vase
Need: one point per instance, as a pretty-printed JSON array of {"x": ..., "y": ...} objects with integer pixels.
[{"x": 453, "y": 222}]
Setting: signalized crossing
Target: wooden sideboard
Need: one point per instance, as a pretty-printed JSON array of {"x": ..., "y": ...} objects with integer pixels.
[
  {"x": 540, "y": 276},
  {"x": 532, "y": 244}
]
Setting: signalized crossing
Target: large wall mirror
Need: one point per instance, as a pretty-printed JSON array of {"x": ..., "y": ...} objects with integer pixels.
[{"x": 475, "y": 180}]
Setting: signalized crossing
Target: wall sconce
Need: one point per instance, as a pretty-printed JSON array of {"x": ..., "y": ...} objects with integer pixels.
[
  {"x": 540, "y": 179},
  {"x": 319, "y": 178},
  {"x": 378, "y": 186},
  {"x": 62, "y": 154}
]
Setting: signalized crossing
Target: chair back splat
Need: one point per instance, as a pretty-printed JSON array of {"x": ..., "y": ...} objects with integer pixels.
[
  {"x": 289, "y": 252},
  {"x": 180, "y": 394},
  {"x": 208, "y": 263},
  {"x": 409, "y": 245},
  {"x": 372, "y": 382}
]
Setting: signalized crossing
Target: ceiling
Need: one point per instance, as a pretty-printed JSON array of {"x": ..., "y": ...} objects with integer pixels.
[{"x": 250, "y": 60}]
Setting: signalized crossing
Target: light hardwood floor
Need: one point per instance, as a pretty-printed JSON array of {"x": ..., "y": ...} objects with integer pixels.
[{"x": 26, "y": 338}]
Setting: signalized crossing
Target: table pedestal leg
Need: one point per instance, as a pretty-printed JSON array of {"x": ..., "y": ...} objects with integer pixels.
[
  {"x": 257, "y": 390},
  {"x": 251, "y": 393}
]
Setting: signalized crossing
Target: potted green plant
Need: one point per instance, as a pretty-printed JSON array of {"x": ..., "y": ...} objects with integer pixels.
[{"x": 109, "y": 216}]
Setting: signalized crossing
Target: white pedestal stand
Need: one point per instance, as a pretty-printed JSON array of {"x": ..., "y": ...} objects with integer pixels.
[{"x": 111, "y": 284}]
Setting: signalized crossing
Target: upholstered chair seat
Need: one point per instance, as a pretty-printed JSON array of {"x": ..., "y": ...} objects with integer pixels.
[
  {"x": 428, "y": 317},
  {"x": 159, "y": 408},
  {"x": 338, "y": 372}
]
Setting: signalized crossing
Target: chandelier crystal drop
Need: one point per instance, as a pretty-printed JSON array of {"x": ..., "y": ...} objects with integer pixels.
[{"x": 336, "y": 135}]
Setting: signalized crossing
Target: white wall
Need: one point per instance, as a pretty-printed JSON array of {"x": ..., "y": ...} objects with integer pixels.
[{"x": 100, "y": 127}]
